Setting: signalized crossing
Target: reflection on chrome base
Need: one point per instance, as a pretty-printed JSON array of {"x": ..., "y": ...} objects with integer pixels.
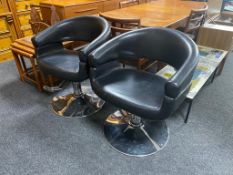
[
  {"x": 132, "y": 136},
  {"x": 76, "y": 104}
]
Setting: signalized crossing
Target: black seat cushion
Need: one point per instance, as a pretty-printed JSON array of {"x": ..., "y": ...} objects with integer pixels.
[
  {"x": 64, "y": 64},
  {"x": 132, "y": 90}
]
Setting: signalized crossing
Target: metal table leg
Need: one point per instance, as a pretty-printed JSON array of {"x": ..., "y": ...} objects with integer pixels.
[
  {"x": 190, "y": 102},
  {"x": 214, "y": 74}
]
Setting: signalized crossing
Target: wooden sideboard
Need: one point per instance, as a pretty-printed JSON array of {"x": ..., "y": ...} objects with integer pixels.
[
  {"x": 216, "y": 36},
  {"x": 71, "y": 8}
]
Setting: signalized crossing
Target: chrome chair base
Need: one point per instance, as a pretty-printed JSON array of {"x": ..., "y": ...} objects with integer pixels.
[
  {"x": 73, "y": 106},
  {"x": 143, "y": 139},
  {"x": 77, "y": 104}
]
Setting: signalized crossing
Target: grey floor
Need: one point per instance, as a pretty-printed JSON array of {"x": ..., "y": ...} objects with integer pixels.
[{"x": 34, "y": 141}]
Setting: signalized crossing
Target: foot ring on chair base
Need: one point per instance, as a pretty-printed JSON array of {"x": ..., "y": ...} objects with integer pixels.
[
  {"x": 76, "y": 106},
  {"x": 149, "y": 138}
]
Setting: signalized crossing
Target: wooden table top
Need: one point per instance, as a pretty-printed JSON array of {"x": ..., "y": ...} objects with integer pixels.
[
  {"x": 66, "y": 3},
  {"x": 160, "y": 13}
]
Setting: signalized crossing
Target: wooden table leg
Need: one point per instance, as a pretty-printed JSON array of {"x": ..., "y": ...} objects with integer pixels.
[
  {"x": 214, "y": 75},
  {"x": 19, "y": 66},
  {"x": 25, "y": 70},
  {"x": 190, "y": 102},
  {"x": 36, "y": 74},
  {"x": 43, "y": 79},
  {"x": 222, "y": 66}
]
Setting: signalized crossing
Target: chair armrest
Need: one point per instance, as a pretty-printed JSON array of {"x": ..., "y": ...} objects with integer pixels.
[
  {"x": 105, "y": 35},
  {"x": 105, "y": 53},
  {"x": 183, "y": 76},
  {"x": 45, "y": 37}
]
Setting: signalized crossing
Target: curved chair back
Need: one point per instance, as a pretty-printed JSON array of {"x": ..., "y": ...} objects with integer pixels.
[
  {"x": 165, "y": 45},
  {"x": 92, "y": 29}
]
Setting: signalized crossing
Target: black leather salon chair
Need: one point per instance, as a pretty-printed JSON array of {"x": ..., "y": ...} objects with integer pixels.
[
  {"x": 55, "y": 60},
  {"x": 144, "y": 99}
]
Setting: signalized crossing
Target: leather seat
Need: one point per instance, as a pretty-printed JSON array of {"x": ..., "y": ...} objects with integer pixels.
[
  {"x": 64, "y": 64},
  {"x": 144, "y": 99},
  {"x": 71, "y": 65},
  {"x": 129, "y": 88}
]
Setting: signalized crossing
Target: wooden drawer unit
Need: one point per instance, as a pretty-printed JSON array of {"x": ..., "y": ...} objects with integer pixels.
[
  {"x": 85, "y": 9},
  {"x": 71, "y": 8},
  {"x": 111, "y": 5}
]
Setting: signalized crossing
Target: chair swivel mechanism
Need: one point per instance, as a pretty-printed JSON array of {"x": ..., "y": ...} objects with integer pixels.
[
  {"x": 53, "y": 59},
  {"x": 144, "y": 99}
]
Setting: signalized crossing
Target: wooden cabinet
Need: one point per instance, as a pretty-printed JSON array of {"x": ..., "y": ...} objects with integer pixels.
[
  {"x": 71, "y": 8},
  {"x": 14, "y": 18},
  {"x": 7, "y": 35},
  {"x": 21, "y": 12},
  {"x": 7, "y": 31}
]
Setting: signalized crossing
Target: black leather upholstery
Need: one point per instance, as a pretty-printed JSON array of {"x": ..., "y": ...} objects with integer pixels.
[
  {"x": 139, "y": 92},
  {"x": 58, "y": 61}
]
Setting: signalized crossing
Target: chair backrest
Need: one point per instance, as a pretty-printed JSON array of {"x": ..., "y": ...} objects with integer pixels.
[
  {"x": 119, "y": 26},
  {"x": 128, "y": 3},
  {"x": 196, "y": 19},
  {"x": 92, "y": 29},
  {"x": 151, "y": 43}
]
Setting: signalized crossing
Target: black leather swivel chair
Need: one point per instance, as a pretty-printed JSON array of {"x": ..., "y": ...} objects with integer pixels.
[
  {"x": 71, "y": 65},
  {"x": 139, "y": 94}
]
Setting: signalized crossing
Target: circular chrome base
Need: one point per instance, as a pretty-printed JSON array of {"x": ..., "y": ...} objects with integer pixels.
[
  {"x": 76, "y": 106},
  {"x": 146, "y": 139}
]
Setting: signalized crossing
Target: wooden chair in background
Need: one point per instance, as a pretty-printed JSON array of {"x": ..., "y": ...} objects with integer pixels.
[
  {"x": 127, "y": 3},
  {"x": 119, "y": 26},
  {"x": 37, "y": 23},
  {"x": 195, "y": 21}
]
